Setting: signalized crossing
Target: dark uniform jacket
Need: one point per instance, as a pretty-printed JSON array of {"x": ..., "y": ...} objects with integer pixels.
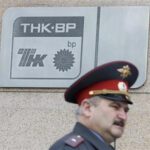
[{"x": 81, "y": 138}]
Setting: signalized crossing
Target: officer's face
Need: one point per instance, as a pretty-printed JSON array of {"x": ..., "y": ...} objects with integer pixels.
[{"x": 109, "y": 118}]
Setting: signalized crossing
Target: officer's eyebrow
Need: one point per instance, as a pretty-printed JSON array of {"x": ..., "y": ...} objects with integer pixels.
[{"x": 120, "y": 104}]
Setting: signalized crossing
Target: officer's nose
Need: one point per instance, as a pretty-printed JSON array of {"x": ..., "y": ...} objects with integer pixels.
[{"x": 123, "y": 114}]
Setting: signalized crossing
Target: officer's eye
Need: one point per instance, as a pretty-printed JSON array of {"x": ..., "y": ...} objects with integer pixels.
[{"x": 126, "y": 109}]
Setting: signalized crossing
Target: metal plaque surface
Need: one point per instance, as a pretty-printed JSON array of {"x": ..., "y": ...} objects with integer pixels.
[
  {"x": 123, "y": 35},
  {"x": 53, "y": 47}
]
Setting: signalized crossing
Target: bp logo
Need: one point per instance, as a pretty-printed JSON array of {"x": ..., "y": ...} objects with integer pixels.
[{"x": 63, "y": 60}]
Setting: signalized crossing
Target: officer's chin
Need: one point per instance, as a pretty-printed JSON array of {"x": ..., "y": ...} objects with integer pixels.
[{"x": 117, "y": 131}]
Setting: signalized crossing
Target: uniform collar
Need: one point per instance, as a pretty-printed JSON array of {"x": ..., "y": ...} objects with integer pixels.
[
  {"x": 98, "y": 135},
  {"x": 88, "y": 135}
]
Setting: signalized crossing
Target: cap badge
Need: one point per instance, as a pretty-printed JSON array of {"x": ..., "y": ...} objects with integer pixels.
[
  {"x": 122, "y": 86},
  {"x": 125, "y": 71}
]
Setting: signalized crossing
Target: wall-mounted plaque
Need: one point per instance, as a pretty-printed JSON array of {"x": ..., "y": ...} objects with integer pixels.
[{"x": 53, "y": 47}]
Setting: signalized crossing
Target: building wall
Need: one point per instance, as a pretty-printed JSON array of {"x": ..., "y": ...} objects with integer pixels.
[{"x": 32, "y": 119}]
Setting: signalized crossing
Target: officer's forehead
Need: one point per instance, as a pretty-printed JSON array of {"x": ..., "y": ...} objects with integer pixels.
[{"x": 110, "y": 102}]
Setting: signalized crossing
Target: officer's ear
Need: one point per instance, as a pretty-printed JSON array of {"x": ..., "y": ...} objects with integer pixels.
[{"x": 86, "y": 107}]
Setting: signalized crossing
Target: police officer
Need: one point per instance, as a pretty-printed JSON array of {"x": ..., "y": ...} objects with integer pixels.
[{"x": 103, "y": 99}]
